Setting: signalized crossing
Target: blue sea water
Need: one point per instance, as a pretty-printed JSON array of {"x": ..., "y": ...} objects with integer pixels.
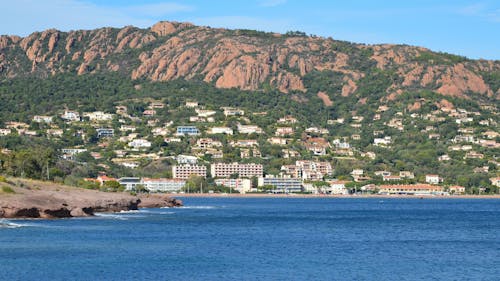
[{"x": 263, "y": 239}]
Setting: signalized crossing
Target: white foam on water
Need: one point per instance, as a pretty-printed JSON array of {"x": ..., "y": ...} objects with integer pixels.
[
  {"x": 130, "y": 212},
  {"x": 116, "y": 216},
  {"x": 197, "y": 207},
  {"x": 8, "y": 224}
]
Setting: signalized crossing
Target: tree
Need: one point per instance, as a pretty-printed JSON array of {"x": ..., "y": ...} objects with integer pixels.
[
  {"x": 141, "y": 189},
  {"x": 113, "y": 186},
  {"x": 195, "y": 184}
]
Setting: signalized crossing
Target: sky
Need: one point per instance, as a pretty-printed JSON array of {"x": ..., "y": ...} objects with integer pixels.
[{"x": 469, "y": 28}]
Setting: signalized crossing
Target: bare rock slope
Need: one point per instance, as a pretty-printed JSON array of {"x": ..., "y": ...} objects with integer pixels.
[
  {"x": 243, "y": 59},
  {"x": 46, "y": 200}
]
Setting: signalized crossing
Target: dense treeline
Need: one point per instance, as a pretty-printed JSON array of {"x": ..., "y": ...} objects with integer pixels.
[{"x": 37, "y": 157}]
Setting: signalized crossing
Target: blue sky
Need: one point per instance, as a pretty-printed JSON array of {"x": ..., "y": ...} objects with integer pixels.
[{"x": 464, "y": 27}]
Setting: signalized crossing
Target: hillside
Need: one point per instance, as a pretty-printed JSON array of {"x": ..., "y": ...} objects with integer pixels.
[
  {"x": 247, "y": 60},
  {"x": 115, "y": 101}
]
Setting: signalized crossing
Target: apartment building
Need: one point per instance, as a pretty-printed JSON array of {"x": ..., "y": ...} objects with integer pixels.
[
  {"x": 184, "y": 171},
  {"x": 223, "y": 170}
]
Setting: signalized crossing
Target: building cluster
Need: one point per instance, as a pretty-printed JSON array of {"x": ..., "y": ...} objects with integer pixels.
[{"x": 212, "y": 134}]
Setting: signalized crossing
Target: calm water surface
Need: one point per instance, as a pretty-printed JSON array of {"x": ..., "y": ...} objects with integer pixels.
[{"x": 263, "y": 239}]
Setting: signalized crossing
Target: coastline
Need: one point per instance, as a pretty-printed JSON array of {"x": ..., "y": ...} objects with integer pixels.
[
  {"x": 47, "y": 200},
  {"x": 265, "y": 195}
]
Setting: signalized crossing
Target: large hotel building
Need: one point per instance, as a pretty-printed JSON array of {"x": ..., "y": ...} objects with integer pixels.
[
  {"x": 184, "y": 171},
  {"x": 223, "y": 170}
]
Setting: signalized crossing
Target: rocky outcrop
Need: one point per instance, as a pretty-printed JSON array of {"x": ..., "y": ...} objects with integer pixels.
[
  {"x": 158, "y": 201},
  {"x": 65, "y": 202},
  {"x": 237, "y": 59}
]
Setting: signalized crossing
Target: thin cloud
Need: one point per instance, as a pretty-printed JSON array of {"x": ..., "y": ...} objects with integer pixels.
[
  {"x": 472, "y": 10},
  {"x": 271, "y": 3},
  {"x": 480, "y": 10}
]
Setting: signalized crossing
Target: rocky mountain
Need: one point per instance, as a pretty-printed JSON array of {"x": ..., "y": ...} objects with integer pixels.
[{"x": 245, "y": 59}]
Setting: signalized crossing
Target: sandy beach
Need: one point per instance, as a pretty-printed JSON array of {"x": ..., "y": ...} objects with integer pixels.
[{"x": 266, "y": 195}]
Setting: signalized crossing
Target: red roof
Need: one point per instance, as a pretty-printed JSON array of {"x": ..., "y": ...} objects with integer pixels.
[{"x": 411, "y": 186}]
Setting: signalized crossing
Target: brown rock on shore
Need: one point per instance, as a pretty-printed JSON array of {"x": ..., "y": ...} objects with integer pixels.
[
  {"x": 37, "y": 199},
  {"x": 158, "y": 201}
]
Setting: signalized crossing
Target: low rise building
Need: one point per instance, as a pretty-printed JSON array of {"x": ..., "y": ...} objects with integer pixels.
[
  {"x": 231, "y": 111},
  {"x": 284, "y": 131},
  {"x": 163, "y": 185},
  {"x": 186, "y": 159},
  {"x": 43, "y": 119},
  {"x": 98, "y": 116},
  {"x": 391, "y": 178},
  {"x": 105, "y": 133},
  {"x": 69, "y": 115},
  {"x": 241, "y": 185},
  {"x": 337, "y": 187},
  {"x": 221, "y": 130},
  {"x": 244, "y": 143},
  {"x": 495, "y": 181},
  {"x": 410, "y": 189},
  {"x": 152, "y": 184},
  {"x": 249, "y": 129},
  {"x": 140, "y": 143},
  {"x": 406, "y": 175},
  {"x": 456, "y": 189},
  {"x": 187, "y": 130},
  {"x": 385, "y": 141},
  {"x": 281, "y": 184},
  {"x": 433, "y": 179}
]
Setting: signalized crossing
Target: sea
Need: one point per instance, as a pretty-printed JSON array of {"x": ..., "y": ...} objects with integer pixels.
[{"x": 263, "y": 239}]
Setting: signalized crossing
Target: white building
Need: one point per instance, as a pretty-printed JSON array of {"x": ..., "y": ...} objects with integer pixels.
[
  {"x": 230, "y": 111},
  {"x": 205, "y": 113},
  {"x": 191, "y": 104},
  {"x": 4, "y": 132},
  {"x": 249, "y": 129},
  {"x": 221, "y": 130},
  {"x": 152, "y": 185},
  {"x": 42, "y": 119},
  {"x": 70, "y": 115},
  {"x": 281, "y": 184},
  {"x": 382, "y": 141},
  {"x": 98, "y": 116},
  {"x": 73, "y": 151},
  {"x": 140, "y": 143},
  {"x": 337, "y": 187},
  {"x": 163, "y": 185},
  {"x": 284, "y": 131},
  {"x": 241, "y": 185},
  {"x": 433, "y": 179},
  {"x": 186, "y": 159}
]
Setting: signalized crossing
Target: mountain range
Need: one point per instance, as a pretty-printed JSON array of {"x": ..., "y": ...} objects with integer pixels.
[{"x": 248, "y": 60}]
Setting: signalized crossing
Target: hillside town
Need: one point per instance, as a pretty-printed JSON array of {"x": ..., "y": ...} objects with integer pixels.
[{"x": 228, "y": 147}]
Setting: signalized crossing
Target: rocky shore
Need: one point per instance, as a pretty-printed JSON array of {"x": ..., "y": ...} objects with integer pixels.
[{"x": 34, "y": 199}]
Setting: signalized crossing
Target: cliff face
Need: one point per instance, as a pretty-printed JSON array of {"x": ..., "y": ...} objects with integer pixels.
[{"x": 243, "y": 59}]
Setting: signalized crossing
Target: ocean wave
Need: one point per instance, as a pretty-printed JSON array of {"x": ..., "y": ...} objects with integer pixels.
[
  {"x": 131, "y": 212},
  {"x": 8, "y": 224},
  {"x": 116, "y": 216},
  {"x": 197, "y": 207}
]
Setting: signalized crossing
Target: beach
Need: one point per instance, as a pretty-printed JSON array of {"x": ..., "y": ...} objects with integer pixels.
[{"x": 294, "y": 195}]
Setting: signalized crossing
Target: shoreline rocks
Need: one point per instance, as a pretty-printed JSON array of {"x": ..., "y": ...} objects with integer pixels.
[{"x": 51, "y": 202}]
